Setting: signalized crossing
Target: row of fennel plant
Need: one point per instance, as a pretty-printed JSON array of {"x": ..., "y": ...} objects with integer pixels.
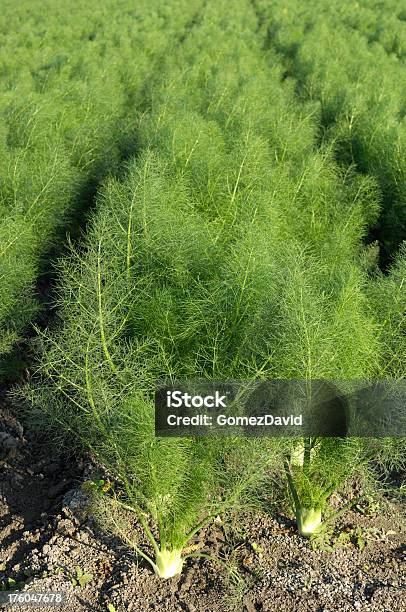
[
  {"x": 381, "y": 23},
  {"x": 152, "y": 264},
  {"x": 71, "y": 85},
  {"x": 231, "y": 249},
  {"x": 360, "y": 89}
]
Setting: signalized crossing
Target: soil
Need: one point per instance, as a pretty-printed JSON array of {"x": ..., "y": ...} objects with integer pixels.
[{"x": 47, "y": 533}]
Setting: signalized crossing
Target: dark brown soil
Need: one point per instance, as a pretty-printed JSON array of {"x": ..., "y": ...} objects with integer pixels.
[{"x": 46, "y": 534}]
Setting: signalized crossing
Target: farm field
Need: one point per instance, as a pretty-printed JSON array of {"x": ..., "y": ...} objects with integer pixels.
[{"x": 201, "y": 191}]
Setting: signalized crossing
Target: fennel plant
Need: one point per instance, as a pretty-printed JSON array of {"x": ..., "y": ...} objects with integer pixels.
[{"x": 231, "y": 247}]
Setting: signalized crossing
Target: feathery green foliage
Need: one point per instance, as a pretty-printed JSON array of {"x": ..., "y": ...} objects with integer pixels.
[
  {"x": 68, "y": 104},
  {"x": 232, "y": 246},
  {"x": 359, "y": 85},
  {"x": 142, "y": 303}
]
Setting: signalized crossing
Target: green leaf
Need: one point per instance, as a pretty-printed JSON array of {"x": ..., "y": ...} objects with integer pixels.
[{"x": 85, "y": 579}]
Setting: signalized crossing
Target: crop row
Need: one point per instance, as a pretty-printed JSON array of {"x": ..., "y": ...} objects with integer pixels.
[
  {"x": 360, "y": 89},
  {"x": 379, "y": 22},
  {"x": 71, "y": 86},
  {"x": 231, "y": 248}
]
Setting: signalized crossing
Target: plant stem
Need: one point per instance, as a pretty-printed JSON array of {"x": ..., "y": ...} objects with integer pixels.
[
  {"x": 138, "y": 512},
  {"x": 101, "y": 321}
]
